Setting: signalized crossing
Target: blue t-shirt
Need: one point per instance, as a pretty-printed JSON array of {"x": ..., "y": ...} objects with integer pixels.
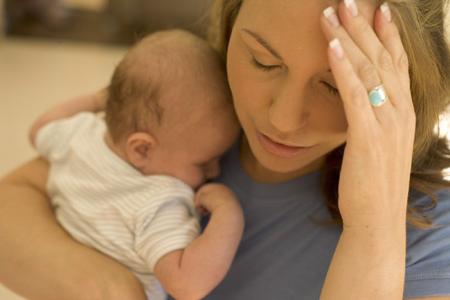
[{"x": 289, "y": 241}]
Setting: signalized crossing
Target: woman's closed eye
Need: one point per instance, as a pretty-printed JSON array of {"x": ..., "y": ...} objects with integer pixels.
[
  {"x": 267, "y": 68},
  {"x": 262, "y": 66},
  {"x": 334, "y": 91}
]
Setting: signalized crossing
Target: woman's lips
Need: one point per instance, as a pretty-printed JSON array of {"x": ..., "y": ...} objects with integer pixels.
[{"x": 278, "y": 149}]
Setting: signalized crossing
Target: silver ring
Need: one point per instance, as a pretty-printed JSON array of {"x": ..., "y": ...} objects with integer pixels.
[{"x": 377, "y": 96}]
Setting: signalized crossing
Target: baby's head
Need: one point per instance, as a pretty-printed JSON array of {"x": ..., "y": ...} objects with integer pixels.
[{"x": 169, "y": 109}]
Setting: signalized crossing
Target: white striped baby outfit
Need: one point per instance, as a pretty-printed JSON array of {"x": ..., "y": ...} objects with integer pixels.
[{"x": 105, "y": 203}]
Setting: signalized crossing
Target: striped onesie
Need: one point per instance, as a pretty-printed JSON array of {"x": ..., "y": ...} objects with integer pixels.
[{"x": 105, "y": 203}]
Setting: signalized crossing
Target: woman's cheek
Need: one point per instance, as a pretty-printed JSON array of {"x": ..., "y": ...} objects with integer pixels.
[{"x": 249, "y": 86}]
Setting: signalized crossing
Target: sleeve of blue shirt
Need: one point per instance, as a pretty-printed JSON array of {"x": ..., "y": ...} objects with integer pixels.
[{"x": 428, "y": 255}]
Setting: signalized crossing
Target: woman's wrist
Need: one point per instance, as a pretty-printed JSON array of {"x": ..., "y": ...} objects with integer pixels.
[
  {"x": 373, "y": 257},
  {"x": 378, "y": 220},
  {"x": 377, "y": 240}
]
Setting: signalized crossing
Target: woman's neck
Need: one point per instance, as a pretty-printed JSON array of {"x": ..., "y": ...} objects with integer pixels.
[{"x": 261, "y": 174}]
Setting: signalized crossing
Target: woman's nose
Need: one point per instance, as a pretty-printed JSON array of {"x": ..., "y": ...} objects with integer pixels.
[{"x": 288, "y": 110}]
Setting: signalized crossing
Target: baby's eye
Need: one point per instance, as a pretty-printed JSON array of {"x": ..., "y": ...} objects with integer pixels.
[
  {"x": 334, "y": 91},
  {"x": 265, "y": 68}
]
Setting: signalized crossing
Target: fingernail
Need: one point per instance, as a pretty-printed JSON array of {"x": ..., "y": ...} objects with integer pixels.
[
  {"x": 386, "y": 11},
  {"x": 336, "y": 46},
  {"x": 351, "y": 6},
  {"x": 331, "y": 16}
]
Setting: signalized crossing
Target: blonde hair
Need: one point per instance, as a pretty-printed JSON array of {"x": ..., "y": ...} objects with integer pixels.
[{"x": 421, "y": 24}]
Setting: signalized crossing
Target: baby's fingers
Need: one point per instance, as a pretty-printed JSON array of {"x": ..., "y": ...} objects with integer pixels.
[
  {"x": 353, "y": 93},
  {"x": 199, "y": 207}
]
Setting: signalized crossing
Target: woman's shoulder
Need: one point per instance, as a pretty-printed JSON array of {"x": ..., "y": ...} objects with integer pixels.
[
  {"x": 428, "y": 250},
  {"x": 437, "y": 211}
]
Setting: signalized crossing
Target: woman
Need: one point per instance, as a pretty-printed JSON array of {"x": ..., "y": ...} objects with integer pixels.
[{"x": 323, "y": 98}]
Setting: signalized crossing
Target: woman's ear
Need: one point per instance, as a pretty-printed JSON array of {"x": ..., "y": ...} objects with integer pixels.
[{"x": 139, "y": 149}]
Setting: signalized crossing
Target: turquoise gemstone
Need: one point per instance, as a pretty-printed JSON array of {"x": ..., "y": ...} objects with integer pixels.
[{"x": 377, "y": 96}]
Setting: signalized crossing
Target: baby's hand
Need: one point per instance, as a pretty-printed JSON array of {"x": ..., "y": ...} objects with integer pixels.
[{"x": 212, "y": 196}]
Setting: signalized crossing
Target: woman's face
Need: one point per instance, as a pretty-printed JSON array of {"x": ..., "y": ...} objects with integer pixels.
[{"x": 283, "y": 89}]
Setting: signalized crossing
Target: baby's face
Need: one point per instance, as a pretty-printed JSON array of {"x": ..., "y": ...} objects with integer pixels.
[{"x": 192, "y": 150}]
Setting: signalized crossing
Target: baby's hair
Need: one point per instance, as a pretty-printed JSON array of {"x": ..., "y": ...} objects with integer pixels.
[{"x": 135, "y": 90}]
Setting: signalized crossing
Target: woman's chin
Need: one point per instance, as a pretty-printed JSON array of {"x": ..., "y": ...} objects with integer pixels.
[
  {"x": 287, "y": 168},
  {"x": 268, "y": 164}
]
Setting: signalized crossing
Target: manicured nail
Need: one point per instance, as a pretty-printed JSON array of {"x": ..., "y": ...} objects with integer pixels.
[
  {"x": 386, "y": 11},
  {"x": 351, "y": 6},
  {"x": 330, "y": 14},
  {"x": 336, "y": 46}
]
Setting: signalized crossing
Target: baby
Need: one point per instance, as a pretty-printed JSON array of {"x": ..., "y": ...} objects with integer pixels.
[{"x": 125, "y": 184}]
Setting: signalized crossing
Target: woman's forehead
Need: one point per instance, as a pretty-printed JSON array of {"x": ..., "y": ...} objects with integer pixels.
[
  {"x": 299, "y": 10},
  {"x": 292, "y": 23},
  {"x": 290, "y": 27}
]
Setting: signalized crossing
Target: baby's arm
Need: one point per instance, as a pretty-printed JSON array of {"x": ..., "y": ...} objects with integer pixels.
[
  {"x": 194, "y": 272},
  {"x": 92, "y": 102}
]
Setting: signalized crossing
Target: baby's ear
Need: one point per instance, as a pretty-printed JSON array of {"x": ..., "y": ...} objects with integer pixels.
[{"x": 139, "y": 149}]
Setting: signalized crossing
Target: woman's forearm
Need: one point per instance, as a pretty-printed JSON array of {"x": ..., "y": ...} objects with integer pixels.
[
  {"x": 367, "y": 264},
  {"x": 37, "y": 257}
]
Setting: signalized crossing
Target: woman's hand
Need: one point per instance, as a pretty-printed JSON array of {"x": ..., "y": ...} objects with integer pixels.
[
  {"x": 369, "y": 260},
  {"x": 374, "y": 180}
]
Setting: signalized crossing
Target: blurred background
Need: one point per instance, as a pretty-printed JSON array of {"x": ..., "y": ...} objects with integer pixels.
[
  {"x": 101, "y": 21},
  {"x": 52, "y": 50}
]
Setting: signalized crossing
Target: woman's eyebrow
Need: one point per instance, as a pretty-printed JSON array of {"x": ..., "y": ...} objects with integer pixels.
[
  {"x": 263, "y": 43},
  {"x": 330, "y": 2}
]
